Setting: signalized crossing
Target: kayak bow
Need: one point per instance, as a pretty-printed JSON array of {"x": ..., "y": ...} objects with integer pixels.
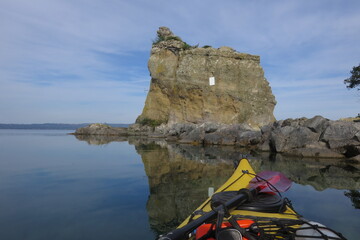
[{"x": 249, "y": 206}]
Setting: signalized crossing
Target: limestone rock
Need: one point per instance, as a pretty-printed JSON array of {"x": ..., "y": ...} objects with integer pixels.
[
  {"x": 165, "y": 32},
  {"x": 317, "y": 124},
  {"x": 357, "y": 136},
  {"x": 248, "y": 138},
  {"x": 225, "y": 135},
  {"x": 139, "y": 130},
  {"x": 287, "y": 138},
  {"x": 180, "y": 91},
  {"x": 340, "y": 130},
  {"x": 196, "y": 136}
]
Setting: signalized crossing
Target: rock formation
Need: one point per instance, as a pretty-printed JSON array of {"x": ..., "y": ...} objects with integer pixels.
[
  {"x": 315, "y": 137},
  {"x": 101, "y": 129},
  {"x": 180, "y": 91},
  {"x": 236, "y": 109}
]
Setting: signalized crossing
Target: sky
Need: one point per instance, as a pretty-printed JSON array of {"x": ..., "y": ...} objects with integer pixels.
[{"x": 76, "y": 61}]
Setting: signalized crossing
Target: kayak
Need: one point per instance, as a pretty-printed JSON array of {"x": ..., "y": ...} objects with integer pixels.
[{"x": 249, "y": 206}]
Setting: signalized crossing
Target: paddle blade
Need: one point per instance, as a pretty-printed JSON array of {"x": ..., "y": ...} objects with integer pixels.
[{"x": 268, "y": 181}]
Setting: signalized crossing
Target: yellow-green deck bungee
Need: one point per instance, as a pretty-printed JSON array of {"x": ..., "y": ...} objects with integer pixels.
[{"x": 237, "y": 181}]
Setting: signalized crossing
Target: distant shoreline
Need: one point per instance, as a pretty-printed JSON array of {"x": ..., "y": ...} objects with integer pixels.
[{"x": 53, "y": 126}]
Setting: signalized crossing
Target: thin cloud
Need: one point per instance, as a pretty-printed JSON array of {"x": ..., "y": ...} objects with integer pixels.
[{"x": 59, "y": 58}]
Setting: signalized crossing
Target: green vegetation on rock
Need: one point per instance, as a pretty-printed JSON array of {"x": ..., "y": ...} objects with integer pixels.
[
  {"x": 186, "y": 46},
  {"x": 164, "y": 34},
  {"x": 150, "y": 122},
  {"x": 161, "y": 38}
]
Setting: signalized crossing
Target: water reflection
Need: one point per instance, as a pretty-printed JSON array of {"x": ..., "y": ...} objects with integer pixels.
[
  {"x": 100, "y": 139},
  {"x": 354, "y": 196},
  {"x": 177, "y": 184},
  {"x": 318, "y": 173},
  {"x": 179, "y": 175},
  {"x": 321, "y": 173}
]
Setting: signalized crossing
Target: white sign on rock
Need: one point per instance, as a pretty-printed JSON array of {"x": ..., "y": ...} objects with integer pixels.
[{"x": 211, "y": 81}]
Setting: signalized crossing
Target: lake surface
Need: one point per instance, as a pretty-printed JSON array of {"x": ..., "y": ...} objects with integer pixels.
[{"x": 55, "y": 186}]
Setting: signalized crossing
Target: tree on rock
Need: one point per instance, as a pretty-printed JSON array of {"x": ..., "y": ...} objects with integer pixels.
[{"x": 354, "y": 80}]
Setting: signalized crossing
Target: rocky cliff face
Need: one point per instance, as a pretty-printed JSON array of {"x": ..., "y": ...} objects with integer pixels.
[{"x": 180, "y": 91}]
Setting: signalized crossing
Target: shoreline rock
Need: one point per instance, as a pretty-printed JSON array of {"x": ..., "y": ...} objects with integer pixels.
[
  {"x": 315, "y": 137},
  {"x": 101, "y": 129}
]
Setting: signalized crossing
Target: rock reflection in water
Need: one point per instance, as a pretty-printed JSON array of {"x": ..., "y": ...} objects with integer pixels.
[
  {"x": 100, "y": 139},
  {"x": 319, "y": 173},
  {"x": 179, "y": 175},
  {"x": 179, "y": 178}
]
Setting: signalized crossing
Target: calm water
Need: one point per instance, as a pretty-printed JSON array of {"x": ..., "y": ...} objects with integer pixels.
[{"x": 54, "y": 186}]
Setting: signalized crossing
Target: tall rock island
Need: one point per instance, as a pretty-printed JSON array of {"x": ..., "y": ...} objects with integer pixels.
[
  {"x": 207, "y": 96},
  {"x": 203, "y": 84}
]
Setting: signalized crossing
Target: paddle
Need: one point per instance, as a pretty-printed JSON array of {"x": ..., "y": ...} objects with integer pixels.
[{"x": 266, "y": 181}]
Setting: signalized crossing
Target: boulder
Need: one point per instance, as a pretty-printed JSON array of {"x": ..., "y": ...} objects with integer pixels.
[
  {"x": 286, "y": 138},
  {"x": 248, "y": 138},
  {"x": 211, "y": 127},
  {"x": 179, "y": 128},
  {"x": 216, "y": 139},
  {"x": 293, "y": 122},
  {"x": 317, "y": 124},
  {"x": 342, "y": 144},
  {"x": 224, "y": 135},
  {"x": 195, "y": 136},
  {"x": 340, "y": 130}
]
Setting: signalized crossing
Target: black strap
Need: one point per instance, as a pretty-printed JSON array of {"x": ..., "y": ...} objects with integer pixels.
[
  {"x": 224, "y": 212},
  {"x": 220, "y": 218}
]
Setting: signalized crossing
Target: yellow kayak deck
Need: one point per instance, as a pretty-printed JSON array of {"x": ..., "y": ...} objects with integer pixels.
[{"x": 237, "y": 181}]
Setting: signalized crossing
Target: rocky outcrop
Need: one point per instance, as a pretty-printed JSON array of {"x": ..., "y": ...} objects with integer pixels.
[
  {"x": 237, "y": 110},
  {"x": 180, "y": 91},
  {"x": 316, "y": 137},
  {"x": 101, "y": 129}
]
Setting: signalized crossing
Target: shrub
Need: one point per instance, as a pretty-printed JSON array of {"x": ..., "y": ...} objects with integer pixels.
[
  {"x": 174, "y": 38},
  {"x": 158, "y": 39},
  {"x": 186, "y": 46},
  {"x": 161, "y": 38},
  {"x": 150, "y": 122},
  {"x": 207, "y": 46}
]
